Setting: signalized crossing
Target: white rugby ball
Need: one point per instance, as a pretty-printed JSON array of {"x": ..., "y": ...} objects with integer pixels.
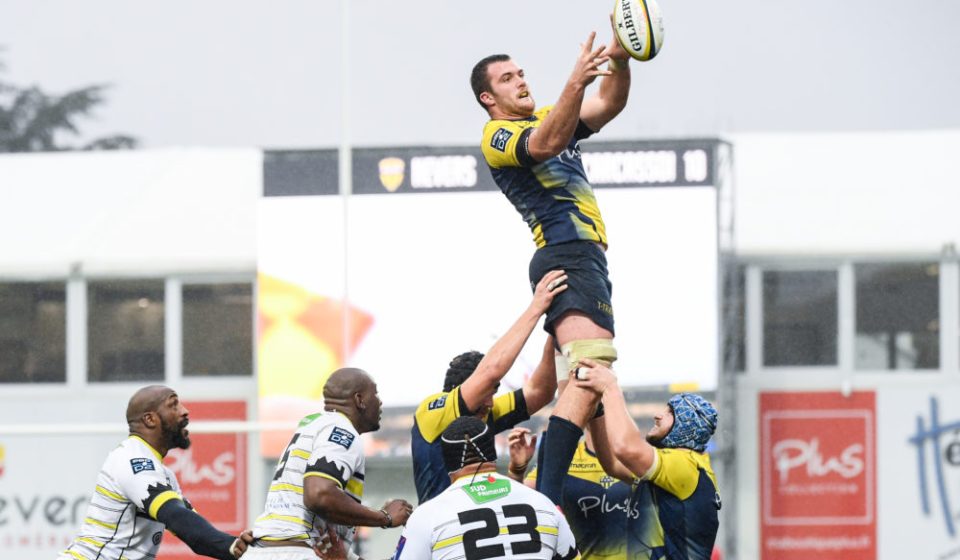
[{"x": 638, "y": 25}]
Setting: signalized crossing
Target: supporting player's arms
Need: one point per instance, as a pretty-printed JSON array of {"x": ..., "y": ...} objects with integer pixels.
[
  {"x": 553, "y": 135},
  {"x": 191, "y": 528},
  {"x": 539, "y": 390},
  {"x": 325, "y": 498},
  {"x": 601, "y": 444},
  {"x": 597, "y": 110},
  {"x": 625, "y": 440},
  {"x": 482, "y": 384}
]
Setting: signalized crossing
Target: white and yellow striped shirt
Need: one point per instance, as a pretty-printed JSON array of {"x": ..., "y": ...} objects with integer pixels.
[
  {"x": 121, "y": 518},
  {"x": 326, "y": 445},
  {"x": 487, "y": 516}
]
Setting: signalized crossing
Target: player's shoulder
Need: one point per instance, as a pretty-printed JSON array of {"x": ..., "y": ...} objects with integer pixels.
[
  {"x": 436, "y": 401},
  {"x": 542, "y": 112},
  {"x": 131, "y": 457}
]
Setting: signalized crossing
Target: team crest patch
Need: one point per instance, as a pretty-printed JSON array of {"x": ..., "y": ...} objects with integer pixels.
[
  {"x": 141, "y": 464},
  {"x": 500, "y": 139},
  {"x": 341, "y": 437},
  {"x": 437, "y": 403}
]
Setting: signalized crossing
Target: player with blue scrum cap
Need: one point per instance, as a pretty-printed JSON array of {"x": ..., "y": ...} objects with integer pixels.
[{"x": 676, "y": 493}]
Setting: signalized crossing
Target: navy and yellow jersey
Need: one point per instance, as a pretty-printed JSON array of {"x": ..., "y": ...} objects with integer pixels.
[
  {"x": 433, "y": 416},
  {"x": 677, "y": 505},
  {"x": 554, "y": 196},
  {"x": 596, "y": 505}
]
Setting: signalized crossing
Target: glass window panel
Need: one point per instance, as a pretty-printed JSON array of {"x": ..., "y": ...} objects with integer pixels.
[
  {"x": 217, "y": 329},
  {"x": 125, "y": 338},
  {"x": 800, "y": 318},
  {"x": 898, "y": 321},
  {"x": 33, "y": 332}
]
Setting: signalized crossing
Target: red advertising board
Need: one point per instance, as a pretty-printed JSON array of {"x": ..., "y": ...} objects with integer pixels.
[
  {"x": 818, "y": 476},
  {"x": 212, "y": 474}
]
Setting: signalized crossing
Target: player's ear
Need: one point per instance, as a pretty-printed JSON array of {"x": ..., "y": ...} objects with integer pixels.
[
  {"x": 358, "y": 401},
  {"x": 150, "y": 419},
  {"x": 487, "y": 99}
]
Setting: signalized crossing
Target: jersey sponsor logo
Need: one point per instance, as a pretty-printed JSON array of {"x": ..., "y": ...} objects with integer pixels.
[
  {"x": 341, "y": 437},
  {"x": 437, "y": 403},
  {"x": 500, "y": 139},
  {"x": 141, "y": 464},
  {"x": 487, "y": 491}
]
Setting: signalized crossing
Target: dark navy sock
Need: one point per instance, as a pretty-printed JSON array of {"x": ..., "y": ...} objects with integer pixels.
[{"x": 563, "y": 436}]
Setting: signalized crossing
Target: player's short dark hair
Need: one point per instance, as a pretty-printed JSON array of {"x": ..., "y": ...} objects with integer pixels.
[
  {"x": 467, "y": 441},
  {"x": 480, "y": 79},
  {"x": 460, "y": 369}
]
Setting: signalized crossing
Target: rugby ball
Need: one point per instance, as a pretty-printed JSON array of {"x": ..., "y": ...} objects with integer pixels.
[{"x": 638, "y": 26}]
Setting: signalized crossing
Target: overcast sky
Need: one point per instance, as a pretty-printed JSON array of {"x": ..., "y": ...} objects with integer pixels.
[{"x": 258, "y": 73}]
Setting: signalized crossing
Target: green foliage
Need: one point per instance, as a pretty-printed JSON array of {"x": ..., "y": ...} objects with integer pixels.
[{"x": 32, "y": 120}]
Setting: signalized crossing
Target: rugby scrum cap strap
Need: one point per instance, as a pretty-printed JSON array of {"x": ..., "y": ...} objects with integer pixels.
[
  {"x": 694, "y": 421},
  {"x": 467, "y": 440}
]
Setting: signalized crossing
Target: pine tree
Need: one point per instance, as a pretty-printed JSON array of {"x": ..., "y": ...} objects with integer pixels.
[{"x": 32, "y": 120}]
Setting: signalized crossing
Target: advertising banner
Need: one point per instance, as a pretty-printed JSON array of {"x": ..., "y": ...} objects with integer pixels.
[
  {"x": 212, "y": 474},
  {"x": 818, "y": 476}
]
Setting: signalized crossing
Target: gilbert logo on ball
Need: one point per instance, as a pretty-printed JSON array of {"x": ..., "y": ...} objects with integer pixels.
[{"x": 639, "y": 27}]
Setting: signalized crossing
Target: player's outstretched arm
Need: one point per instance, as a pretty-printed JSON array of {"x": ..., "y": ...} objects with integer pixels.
[
  {"x": 482, "y": 383},
  {"x": 325, "y": 498},
  {"x": 625, "y": 440},
  {"x": 202, "y": 537},
  {"x": 553, "y": 135},
  {"x": 601, "y": 108},
  {"x": 540, "y": 389},
  {"x": 601, "y": 445}
]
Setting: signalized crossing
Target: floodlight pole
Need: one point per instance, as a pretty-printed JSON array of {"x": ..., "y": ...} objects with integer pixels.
[{"x": 345, "y": 173}]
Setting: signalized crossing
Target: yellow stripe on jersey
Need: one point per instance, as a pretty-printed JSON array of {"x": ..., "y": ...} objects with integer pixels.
[
  {"x": 547, "y": 530},
  {"x": 289, "y": 518},
  {"x": 282, "y": 486},
  {"x": 355, "y": 487},
  {"x": 161, "y": 499},
  {"x": 300, "y": 453},
  {"x": 76, "y": 555},
  {"x": 504, "y": 404},
  {"x": 99, "y": 523},
  {"x": 90, "y": 541},
  {"x": 297, "y": 537},
  {"x": 324, "y": 475},
  {"x": 103, "y": 491},
  {"x": 448, "y": 542}
]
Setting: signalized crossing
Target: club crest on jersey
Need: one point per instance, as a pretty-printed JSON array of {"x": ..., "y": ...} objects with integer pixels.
[
  {"x": 500, "y": 139},
  {"x": 437, "y": 403},
  {"x": 141, "y": 464},
  {"x": 341, "y": 437}
]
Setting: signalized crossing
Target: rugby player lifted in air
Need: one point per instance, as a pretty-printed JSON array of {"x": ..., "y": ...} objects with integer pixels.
[
  {"x": 137, "y": 496},
  {"x": 534, "y": 156}
]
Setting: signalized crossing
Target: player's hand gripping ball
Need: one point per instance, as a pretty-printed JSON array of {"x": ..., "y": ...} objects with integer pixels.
[{"x": 638, "y": 25}]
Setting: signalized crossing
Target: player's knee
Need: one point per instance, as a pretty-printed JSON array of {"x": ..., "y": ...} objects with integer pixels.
[{"x": 597, "y": 349}]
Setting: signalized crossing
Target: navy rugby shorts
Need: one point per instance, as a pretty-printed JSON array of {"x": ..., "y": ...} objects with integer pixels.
[{"x": 589, "y": 288}]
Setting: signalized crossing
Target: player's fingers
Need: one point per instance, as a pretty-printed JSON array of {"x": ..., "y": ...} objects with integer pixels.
[
  {"x": 587, "y": 45},
  {"x": 533, "y": 440},
  {"x": 556, "y": 282}
]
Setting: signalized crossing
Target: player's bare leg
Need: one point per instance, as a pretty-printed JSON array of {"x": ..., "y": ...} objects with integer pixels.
[{"x": 579, "y": 337}]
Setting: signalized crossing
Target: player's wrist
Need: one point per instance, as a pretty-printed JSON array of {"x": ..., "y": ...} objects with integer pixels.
[
  {"x": 387, "y": 519},
  {"x": 618, "y": 64},
  {"x": 518, "y": 468}
]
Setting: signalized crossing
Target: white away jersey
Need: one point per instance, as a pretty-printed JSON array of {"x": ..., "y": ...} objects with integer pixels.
[
  {"x": 121, "y": 518},
  {"x": 494, "y": 517},
  {"x": 327, "y": 445}
]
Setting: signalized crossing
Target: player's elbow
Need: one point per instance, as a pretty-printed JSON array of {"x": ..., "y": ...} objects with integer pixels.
[{"x": 320, "y": 502}]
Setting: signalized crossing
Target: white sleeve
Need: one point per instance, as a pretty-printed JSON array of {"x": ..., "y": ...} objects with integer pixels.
[
  {"x": 143, "y": 481},
  {"x": 415, "y": 542},
  {"x": 566, "y": 543},
  {"x": 337, "y": 453}
]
